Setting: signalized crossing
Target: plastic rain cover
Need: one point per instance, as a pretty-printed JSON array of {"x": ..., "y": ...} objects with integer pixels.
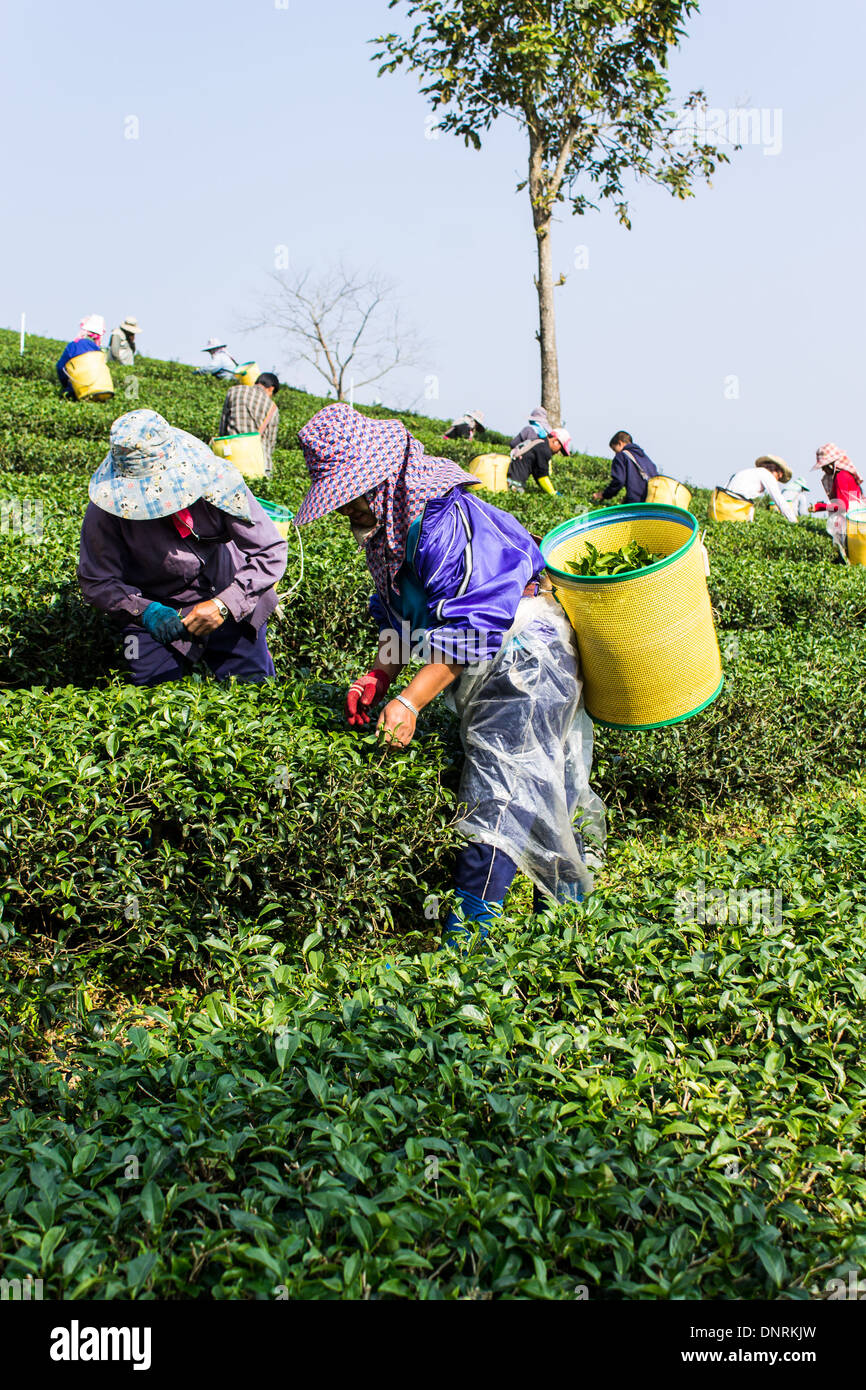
[{"x": 528, "y": 745}]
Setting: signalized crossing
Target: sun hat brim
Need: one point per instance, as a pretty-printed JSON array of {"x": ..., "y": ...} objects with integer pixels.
[
  {"x": 779, "y": 463},
  {"x": 189, "y": 471},
  {"x": 327, "y": 494}
]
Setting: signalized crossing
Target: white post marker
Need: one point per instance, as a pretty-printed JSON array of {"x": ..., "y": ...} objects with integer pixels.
[
  {"x": 23, "y": 321},
  {"x": 352, "y": 392}
]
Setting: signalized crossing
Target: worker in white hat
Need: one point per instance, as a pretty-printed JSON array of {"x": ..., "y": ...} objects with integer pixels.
[
  {"x": 87, "y": 339},
  {"x": 221, "y": 364},
  {"x": 468, "y": 426},
  {"x": 121, "y": 344}
]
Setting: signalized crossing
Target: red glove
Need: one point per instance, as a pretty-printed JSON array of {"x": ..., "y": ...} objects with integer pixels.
[{"x": 363, "y": 693}]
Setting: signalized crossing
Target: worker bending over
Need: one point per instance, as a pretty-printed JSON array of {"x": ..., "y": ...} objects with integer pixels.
[
  {"x": 767, "y": 476},
  {"x": 253, "y": 410},
  {"x": 839, "y": 479},
  {"x": 88, "y": 339},
  {"x": 462, "y": 585},
  {"x": 176, "y": 549},
  {"x": 532, "y": 450},
  {"x": 631, "y": 469},
  {"x": 468, "y": 426}
]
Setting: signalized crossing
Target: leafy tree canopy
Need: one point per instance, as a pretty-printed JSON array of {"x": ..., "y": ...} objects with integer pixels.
[{"x": 586, "y": 78}]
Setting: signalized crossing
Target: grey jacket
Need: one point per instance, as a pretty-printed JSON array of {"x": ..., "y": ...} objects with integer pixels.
[{"x": 120, "y": 349}]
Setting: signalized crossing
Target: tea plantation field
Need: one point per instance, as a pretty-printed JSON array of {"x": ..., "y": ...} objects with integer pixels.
[{"x": 234, "y": 1068}]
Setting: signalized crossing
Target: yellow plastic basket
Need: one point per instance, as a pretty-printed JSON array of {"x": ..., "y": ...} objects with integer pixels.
[
  {"x": 648, "y": 647},
  {"x": 668, "y": 492},
  {"x": 248, "y": 373},
  {"x": 89, "y": 377},
  {"x": 245, "y": 451},
  {"x": 856, "y": 535},
  {"x": 491, "y": 471},
  {"x": 727, "y": 506}
]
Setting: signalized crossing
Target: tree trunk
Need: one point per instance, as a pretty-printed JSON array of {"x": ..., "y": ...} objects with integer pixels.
[
  {"x": 547, "y": 326},
  {"x": 541, "y": 220}
]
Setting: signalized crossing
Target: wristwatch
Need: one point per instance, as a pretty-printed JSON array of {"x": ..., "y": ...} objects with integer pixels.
[{"x": 223, "y": 611}]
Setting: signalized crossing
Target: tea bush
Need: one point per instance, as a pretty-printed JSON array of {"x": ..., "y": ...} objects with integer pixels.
[{"x": 234, "y": 1063}]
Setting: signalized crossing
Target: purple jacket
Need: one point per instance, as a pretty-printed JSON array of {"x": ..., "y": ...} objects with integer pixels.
[
  {"x": 124, "y": 565},
  {"x": 467, "y": 567}
]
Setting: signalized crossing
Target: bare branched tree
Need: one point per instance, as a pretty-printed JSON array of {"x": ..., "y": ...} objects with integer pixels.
[{"x": 346, "y": 324}]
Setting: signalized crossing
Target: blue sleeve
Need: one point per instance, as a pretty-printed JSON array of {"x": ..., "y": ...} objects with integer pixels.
[
  {"x": 474, "y": 562},
  {"x": 79, "y": 345},
  {"x": 617, "y": 478}
]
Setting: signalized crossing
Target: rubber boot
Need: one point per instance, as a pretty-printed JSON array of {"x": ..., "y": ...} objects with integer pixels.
[{"x": 470, "y": 918}]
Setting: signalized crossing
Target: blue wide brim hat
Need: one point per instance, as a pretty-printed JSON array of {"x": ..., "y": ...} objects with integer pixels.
[{"x": 153, "y": 470}]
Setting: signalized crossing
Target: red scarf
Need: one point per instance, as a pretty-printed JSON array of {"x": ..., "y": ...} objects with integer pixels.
[{"x": 183, "y": 522}]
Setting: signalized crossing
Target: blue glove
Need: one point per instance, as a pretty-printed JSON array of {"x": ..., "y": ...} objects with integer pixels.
[{"x": 162, "y": 623}]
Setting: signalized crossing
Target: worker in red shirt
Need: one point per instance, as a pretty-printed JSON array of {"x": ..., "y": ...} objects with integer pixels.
[{"x": 839, "y": 478}]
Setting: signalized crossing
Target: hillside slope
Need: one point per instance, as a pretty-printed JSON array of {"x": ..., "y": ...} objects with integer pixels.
[{"x": 216, "y": 916}]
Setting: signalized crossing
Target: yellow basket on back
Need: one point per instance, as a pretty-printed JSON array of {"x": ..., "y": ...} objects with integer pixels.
[
  {"x": 856, "y": 535},
  {"x": 491, "y": 470},
  {"x": 727, "y": 506},
  {"x": 248, "y": 373},
  {"x": 648, "y": 647},
  {"x": 668, "y": 491},
  {"x": 89, "y": 376},
  {"x": 245, "y": 451}
]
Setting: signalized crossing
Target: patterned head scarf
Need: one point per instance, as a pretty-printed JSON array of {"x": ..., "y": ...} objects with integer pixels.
[
  {"x": 349, "y": 456},
  {"x": 831, "y": 456},
  {"x": 153, "y": 470}
]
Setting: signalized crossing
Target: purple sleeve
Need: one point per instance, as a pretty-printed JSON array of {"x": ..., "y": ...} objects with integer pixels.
[
  {"x": 101, "y": 564},
  {"x": 262, "y": 560},
  {"x": 379, "y": 613},
  {"x": 474, "y": 562}
]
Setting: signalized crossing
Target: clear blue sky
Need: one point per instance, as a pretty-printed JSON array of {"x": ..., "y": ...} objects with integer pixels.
[{"x": 261, "y": 125}]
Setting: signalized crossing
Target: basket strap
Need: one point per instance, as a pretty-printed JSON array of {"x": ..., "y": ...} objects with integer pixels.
[
  {"x": 267, "y": 420},
  {"x": 631, "y": 458},
  {"x": 525, "y": 447}
]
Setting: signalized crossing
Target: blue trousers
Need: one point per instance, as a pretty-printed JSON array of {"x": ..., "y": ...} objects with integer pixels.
[
  {"x": 229, "y": 651},
  {"x": 484, "y": 871}
]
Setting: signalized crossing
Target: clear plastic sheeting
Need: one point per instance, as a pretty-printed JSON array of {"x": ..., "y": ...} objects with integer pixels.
[
  {"x": 528, "y": 745},
  {"x": 837, "y": 529}
]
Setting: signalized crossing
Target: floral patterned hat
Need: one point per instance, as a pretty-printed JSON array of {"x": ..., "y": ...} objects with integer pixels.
[{"x": 154, "y": 470}]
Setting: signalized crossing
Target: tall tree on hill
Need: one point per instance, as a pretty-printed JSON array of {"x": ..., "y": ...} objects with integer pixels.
[{"x": 586, "y": 82}]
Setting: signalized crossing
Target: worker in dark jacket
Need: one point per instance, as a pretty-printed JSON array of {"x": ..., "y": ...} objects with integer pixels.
[
  {"x": 176, "y": 550},
  {"x": 469, "y": 426},
  {"x": 632, "y": 470}
]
